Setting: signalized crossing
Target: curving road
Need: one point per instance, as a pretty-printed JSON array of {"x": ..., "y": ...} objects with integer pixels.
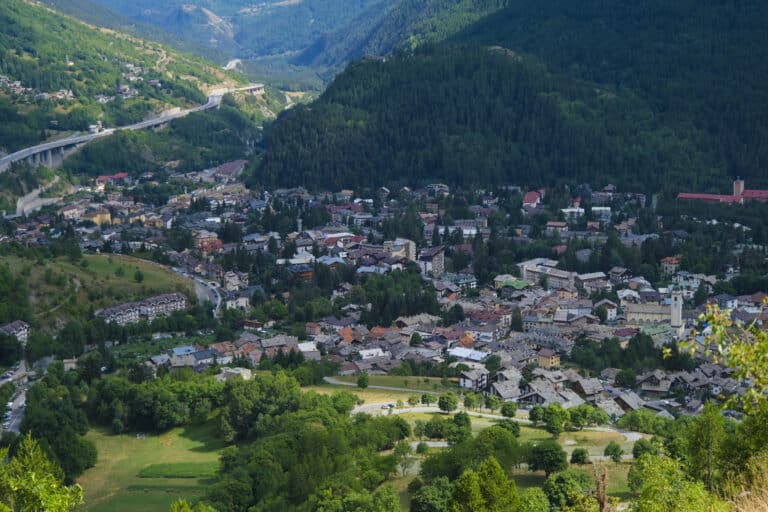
[
  {"x": 214, "y": 100},
  {"x": 203, "y": 290}
]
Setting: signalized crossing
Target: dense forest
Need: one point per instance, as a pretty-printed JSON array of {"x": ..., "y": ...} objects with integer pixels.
[
  {"x": 697, "y": 63},
  {"x": 405, "y": 25},
  {"x": 469, "y": 115},
  {"x": 650, "y": 97},
  {"x": 48, "y": 52}
]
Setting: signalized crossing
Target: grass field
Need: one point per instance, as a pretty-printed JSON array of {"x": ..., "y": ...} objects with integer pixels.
[
  {"x": 368, "y": 395},
  {"x": 418, "y": 384},
  {"x": 149, "y": 474},
  {"x": 60, "y": 289}
]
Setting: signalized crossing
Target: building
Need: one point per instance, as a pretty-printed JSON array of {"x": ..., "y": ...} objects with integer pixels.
[
  {"x": 432, "y": 260},
  {"x": 610, "y": 307},
  {"x": 602, "y": 213},
  {"x": 148, "y": 309},
  {"x": 676, "y": 313},
  {"x": 556, "y": 227},
  {"x": 544, "y": 270},
  {"x": 98, "y": 217},
  {"x": 648, "y": 312},
  {"x": 740, "y": 195},
  {"x": 532, "y": 199},
  {"x": 593, "y": 282},
  {"x": 475, "y": 380},
  {"x": 238, "y": 300},
  {"x": 401, "y": 247},
  {"x": 19, "y": 329},
  {"x": 547, "y": 358},
  {"x": 207, "y": 241},
  {"x": 670, "y": 264},
  {"x": 572, "y": 213},
  {"x": 619, "y": 275}
]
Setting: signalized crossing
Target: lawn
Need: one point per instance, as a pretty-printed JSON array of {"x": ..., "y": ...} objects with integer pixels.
[
  {"x": 368, "y": 395},
  {"x": 417, "y": 384},
  {"x": 149, "y": 474},
  {"x": 60, "y": 289}
]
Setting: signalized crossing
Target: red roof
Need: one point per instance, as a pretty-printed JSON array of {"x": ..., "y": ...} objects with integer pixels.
[
  {"x": 120, "y": 176},
  {"x": 717, "y": 198},
  {"x": 761, "y": 195},
  {"x": 531, "y": 197}
]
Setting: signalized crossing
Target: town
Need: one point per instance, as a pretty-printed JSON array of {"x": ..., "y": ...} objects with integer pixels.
[{"x": 533, "y": 296}]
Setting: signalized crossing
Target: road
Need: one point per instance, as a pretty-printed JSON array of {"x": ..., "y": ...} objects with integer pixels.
[
  {"x": 19, "y": 400},
  {"x": 214, "y": 100},
  {"x": 33, "y": 202},
  {"x": 204, "y": 290}
]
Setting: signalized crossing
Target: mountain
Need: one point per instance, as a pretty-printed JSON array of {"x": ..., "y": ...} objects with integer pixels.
[
  {"x": 96, "y": 14},
  {"x": 405, "y": 25},
  {"x": 700, "y": 64},
  {"x": 646, "y": 95},
  {"x": 60, "y": 75},
  {"x": 246, "y": 29}
]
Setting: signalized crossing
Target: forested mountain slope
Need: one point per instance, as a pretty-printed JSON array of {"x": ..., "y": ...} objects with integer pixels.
[
  {"x": 405, "y": 25},
  {"x": 646, "y": 95},
  {"x": 243, "y": 28},
  {"x": 59, "y": 75},
  {"x": 91, "y": 12},
  {"x": 468, "y": 116},
  {"x": 699, "y": 63}
]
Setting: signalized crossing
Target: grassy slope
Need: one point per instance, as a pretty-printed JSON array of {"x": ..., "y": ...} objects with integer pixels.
[
  {"x": 49, "y": 51},
  {"x": 134, "y": 474},
  {"x": 114, "y": 484},
  {"x": 97, "y": 284},
  {"x": 418, "y": 384}
]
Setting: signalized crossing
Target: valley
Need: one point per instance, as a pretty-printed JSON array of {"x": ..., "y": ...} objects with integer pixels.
[{"x": 383, "y": 256}]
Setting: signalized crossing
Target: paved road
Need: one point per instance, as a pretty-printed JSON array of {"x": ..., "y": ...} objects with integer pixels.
[
  {"x": 19, "y": 401},
  {"x": 214, "y": 100},
  {"x": 204, "y": 290}
]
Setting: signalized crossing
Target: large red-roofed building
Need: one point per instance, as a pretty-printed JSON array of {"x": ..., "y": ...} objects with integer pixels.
[{"x": 740, "y": 194}]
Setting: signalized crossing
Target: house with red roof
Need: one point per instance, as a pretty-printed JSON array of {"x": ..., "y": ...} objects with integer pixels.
[{"x": 532, "y": 199}]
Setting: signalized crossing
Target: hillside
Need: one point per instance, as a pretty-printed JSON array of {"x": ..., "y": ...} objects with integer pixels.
[
  {"x": 192, "y": 143},
  {"x": 404, "y": 26},
  {"x": 245, "y": 29},
  {"x": 57, "y": 290},
  {"x": 700, "y": 64},
  {"x": 472, "y": 116},
  {"x": 61, "y": 75},
  {"x": 96, "y": 14},
  {"x": 647, "y": 98}
]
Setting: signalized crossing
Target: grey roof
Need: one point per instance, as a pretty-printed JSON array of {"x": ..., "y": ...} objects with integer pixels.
[
  {"x": 205, "y": 354},
  {"x": 506, "y": 390}
]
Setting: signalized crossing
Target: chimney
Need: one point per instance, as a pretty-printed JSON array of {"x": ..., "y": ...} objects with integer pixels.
[{"x": 738, "y": 187}]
